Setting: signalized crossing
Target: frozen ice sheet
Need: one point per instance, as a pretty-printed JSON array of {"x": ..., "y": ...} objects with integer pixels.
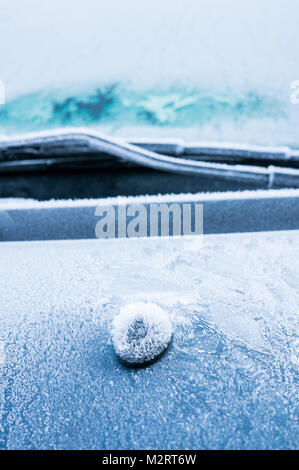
[{"x": 228, "y": 380}]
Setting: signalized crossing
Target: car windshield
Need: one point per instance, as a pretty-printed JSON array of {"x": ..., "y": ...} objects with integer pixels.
[{"x": 209, "y": 71}]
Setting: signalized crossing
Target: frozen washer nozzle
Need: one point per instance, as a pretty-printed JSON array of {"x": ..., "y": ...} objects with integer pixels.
[{"x": 141, "y": 333}]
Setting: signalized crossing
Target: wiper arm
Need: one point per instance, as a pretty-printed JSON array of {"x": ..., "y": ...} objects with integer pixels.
[{"x": 80, "y": 145}]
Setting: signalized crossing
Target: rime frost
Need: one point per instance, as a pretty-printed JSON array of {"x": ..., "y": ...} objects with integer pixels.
[{"x": 141, "y": 333}]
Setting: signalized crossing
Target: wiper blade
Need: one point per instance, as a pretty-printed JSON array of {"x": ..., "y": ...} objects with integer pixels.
[
  {"x": 74, "y": 141},
  {"x": 80, "y": 146},
  {"x": 220, "y": 151}
]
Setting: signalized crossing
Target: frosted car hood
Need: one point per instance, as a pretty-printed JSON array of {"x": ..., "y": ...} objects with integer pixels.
[{"x": 228, "y": 380}]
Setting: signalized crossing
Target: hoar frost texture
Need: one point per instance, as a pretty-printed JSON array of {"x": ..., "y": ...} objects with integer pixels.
[{"x": 141, "y": 333}]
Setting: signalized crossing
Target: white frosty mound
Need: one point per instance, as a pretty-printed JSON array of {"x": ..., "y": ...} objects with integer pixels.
[{"x": 141, "y": 333}]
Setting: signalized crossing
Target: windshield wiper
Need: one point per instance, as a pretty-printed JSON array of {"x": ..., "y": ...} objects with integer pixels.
[{"x": 79, "y": 146}]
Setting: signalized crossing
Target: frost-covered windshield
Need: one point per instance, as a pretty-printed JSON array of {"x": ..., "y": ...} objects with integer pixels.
[{"x": 203, "y": 70}]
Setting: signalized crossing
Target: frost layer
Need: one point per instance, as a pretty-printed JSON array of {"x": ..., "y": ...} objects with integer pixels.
[{"x": 141, "y": 333}]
